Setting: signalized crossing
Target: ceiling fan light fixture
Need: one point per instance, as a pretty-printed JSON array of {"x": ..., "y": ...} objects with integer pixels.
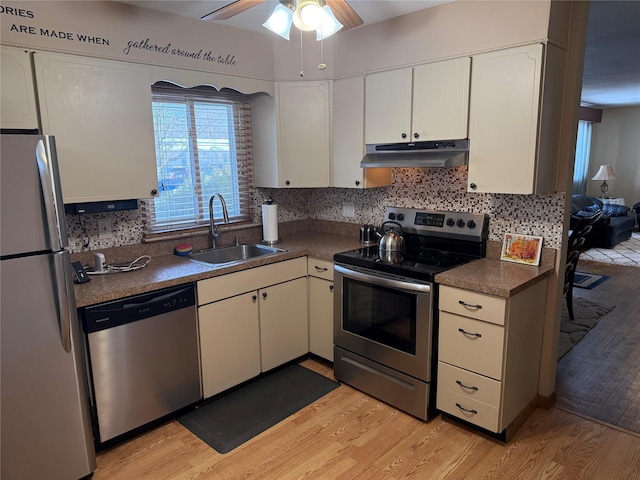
[
  {"x": 308, "y": 15},
  {"x": 280, "y": 21},
  {"x": 329, "y": 26}
]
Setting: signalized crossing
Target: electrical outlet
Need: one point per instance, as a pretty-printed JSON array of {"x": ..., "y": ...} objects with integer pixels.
[
  {"x": 104, "y": 228},
  {"x": 348, "y": 209}
]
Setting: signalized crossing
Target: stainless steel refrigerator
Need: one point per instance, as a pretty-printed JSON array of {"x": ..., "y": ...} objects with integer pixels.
[{"x": 44, "y": 408}]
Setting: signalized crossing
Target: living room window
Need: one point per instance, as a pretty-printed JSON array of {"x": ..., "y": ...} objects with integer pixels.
[
  {"x": 583, "y": 151},
  {"x": 203, "y": 147}
]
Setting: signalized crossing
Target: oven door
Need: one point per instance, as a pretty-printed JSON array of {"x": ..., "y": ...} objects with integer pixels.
[{"x": 385, "y": 318}]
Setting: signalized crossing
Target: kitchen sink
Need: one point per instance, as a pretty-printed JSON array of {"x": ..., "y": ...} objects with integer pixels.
[{"x": 233, "y": 254}]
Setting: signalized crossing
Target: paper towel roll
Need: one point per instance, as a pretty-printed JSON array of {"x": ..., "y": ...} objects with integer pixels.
[{"x": 270, "y": 223}]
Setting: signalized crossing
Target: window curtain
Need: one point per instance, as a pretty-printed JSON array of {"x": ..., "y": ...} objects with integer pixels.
[{"x": 581, "y": 165}]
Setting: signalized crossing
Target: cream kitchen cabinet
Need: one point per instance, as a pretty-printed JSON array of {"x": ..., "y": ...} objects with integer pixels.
[
  {"x": 321, "y": 308},
  {"x": 251, "y": 321},
  {"x": 427, "y": 102},
  {"x": 100, "y": 114},
  {"x": 17, "y": 90},
  {"x": 514, "y": 120},
  {"x": 301, "y": 155},
  {"x": 348, "y": 138},
  {"x": 489, "y": 354}
]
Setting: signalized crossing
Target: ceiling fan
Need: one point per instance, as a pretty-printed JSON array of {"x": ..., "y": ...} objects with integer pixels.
[{"x": 344, "y": 13}]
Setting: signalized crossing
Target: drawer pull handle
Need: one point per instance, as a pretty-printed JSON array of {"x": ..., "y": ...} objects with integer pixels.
[
  {"x": 468, "y": 305},
  {"x": 320, "y": 269},
  {"x": 469, "y": 334},
  {"x": 466, "y": 387},
  {"x": 466, "y": 410}
]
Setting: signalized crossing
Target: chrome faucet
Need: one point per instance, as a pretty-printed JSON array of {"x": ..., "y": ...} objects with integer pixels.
[{"x": 214, "y": 235}]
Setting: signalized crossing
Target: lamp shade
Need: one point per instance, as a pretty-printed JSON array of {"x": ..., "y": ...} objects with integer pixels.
[
  {"x": 605, "y": 173},
  {"x": 280, "y": 21},
  {"x": 330, "y": 24}
]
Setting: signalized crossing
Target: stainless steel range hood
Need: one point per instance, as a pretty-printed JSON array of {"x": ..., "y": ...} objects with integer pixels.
[{"x": 447, "y": 153}]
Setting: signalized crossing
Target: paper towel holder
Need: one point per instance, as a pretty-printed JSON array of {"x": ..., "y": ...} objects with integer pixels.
[{"x": 269, "y": 201}]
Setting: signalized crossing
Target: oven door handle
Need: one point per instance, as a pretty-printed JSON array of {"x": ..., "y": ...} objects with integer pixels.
[{"x": 383, "y": 281}]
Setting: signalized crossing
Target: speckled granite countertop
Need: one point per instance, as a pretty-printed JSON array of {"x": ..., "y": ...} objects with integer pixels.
[
  {"x": 170, "y": 270},
  {"x": 315, "y": 238},
  {"x": 494, "y": 276}
]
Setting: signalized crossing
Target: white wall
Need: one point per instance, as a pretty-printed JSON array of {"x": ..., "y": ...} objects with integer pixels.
[{"x": 616, "y": 142}]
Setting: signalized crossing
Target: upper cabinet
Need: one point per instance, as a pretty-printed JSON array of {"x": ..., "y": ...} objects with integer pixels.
[
  {"x": 428, "y": 102},
  {"x": 301, "y": 156},
  {"x": 514, "y": 120},
  {"x": 100, "y": 114},
  {"x": 348, "y": 138},
  {"x": 17, "y": 90}
]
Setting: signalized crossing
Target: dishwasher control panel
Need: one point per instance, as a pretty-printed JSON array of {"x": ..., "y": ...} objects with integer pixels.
[{"x": 131, "y": 309}]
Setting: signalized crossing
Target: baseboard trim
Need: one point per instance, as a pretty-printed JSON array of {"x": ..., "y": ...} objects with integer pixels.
[{"x": 547, "y": 402}]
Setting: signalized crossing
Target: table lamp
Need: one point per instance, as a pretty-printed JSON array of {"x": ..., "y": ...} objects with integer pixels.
[{"x": 605, "y": 173}]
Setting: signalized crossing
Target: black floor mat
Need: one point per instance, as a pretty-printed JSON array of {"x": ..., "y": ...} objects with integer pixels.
[{"x": 231, "y": 420}]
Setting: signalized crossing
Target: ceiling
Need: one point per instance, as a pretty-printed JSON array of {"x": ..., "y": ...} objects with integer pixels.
[{"x": 612, "y": 63}]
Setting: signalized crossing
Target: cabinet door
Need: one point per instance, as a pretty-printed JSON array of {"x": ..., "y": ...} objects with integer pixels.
[
  {"x": 348, "y": 138},
  {"x": 441, "y": 100},
  {"x": 17, "y": 90},
  {"x": 100, "y": 113},
  {"x": 229, "y": 342},
  {"x": 388, "y": 106},
  {"x": 284, "y": 330},
  {"x": 321, "y": 317},
  {"x": 304, "y": 137},
  {"x": 503, "y": 120}
]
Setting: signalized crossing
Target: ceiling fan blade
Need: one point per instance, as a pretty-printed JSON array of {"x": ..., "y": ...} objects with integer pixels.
[
  {"x": 345, "y": 13},
  {"x": 234, "y": 8}
]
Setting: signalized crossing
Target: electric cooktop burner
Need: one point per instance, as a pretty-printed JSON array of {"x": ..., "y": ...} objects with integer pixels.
[{"x": 435, "y": 241}]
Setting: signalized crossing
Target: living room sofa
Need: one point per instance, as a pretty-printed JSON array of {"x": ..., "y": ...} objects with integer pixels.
[{"x": 613, "y": 227}]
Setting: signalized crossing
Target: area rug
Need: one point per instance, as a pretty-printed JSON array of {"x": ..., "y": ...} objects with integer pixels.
[
  {"x": 233, "y": 419},
  {"x": 588, "y": 280},
  {"x": 626, "y": 253},
  {"x": 587, "y": 314}
]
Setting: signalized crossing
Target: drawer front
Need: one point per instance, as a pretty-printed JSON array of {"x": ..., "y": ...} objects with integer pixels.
[
  {"x": 469, "y": 384},
  {"x": 233, "y": 284},
  {"x": 478, "y": 413},
  {"x": 472, "y": 304},
  {"x": 320, "y": 268},
  {"x": 471, "y": 344}
]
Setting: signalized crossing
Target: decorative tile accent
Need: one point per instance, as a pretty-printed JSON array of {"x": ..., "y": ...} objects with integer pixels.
[{"x": 428, "y": 188}]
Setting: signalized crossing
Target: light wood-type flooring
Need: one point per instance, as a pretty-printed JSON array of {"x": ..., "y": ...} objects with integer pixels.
[
  {"x": 600, "y": 376},
  {"x": 347, "y": 435}
]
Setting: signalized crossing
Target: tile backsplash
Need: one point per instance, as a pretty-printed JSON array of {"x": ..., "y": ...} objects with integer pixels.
[{"x": 430, "y": 188}]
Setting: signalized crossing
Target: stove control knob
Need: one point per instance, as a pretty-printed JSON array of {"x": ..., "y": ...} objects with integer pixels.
[
  {"x": 451, "y": 222},
  {"x": 392, "y": 216},
  {"x": 471, "y": 224},
  {"x": 460, "y": 223},
  {"x": 400, "y": 217}
]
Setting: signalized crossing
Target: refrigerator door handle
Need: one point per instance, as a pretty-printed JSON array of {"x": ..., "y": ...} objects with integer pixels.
[
  {"x": 51, "y": 194},
  {"x": 66, "y": 307}
]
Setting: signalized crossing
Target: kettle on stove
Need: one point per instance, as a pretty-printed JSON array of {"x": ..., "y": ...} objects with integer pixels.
[
  {"x": 368, "y": 234},
  {"x": 390, "y": 240}
]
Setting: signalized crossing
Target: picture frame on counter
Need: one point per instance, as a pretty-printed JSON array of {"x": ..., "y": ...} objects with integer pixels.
[{"x": 525, "y": 249}]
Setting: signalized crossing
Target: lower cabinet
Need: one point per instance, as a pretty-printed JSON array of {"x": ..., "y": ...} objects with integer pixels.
[
  {"x": 250, "y": 322},
  {"x": 489, "y": 354},
  {"x": 321, "y": 308}
]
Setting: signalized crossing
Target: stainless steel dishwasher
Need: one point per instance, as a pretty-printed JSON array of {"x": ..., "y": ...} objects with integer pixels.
[{"x": 143, "y": 356}]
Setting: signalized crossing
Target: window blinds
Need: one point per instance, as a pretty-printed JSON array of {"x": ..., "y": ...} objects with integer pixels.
[{"x": 204, "y": 147}]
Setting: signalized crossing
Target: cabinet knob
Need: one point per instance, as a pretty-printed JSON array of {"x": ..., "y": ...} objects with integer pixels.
[
  {"x": 287, "y": 182},
  {"x": 357, "y": 182},
  {"x": 331, "y": 287},
  {"x": 473, "y": 186},
  {"x": 154, "y": 192},
  {"x": 404, "y": 135},
  {"x": 416, "y": 135},
  {"x": 264, "y": 294},
  {"x": 254, "y": 298}
]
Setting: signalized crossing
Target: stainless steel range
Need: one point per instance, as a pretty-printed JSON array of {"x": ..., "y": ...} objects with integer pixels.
[{"x": 385, "y": 310}]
